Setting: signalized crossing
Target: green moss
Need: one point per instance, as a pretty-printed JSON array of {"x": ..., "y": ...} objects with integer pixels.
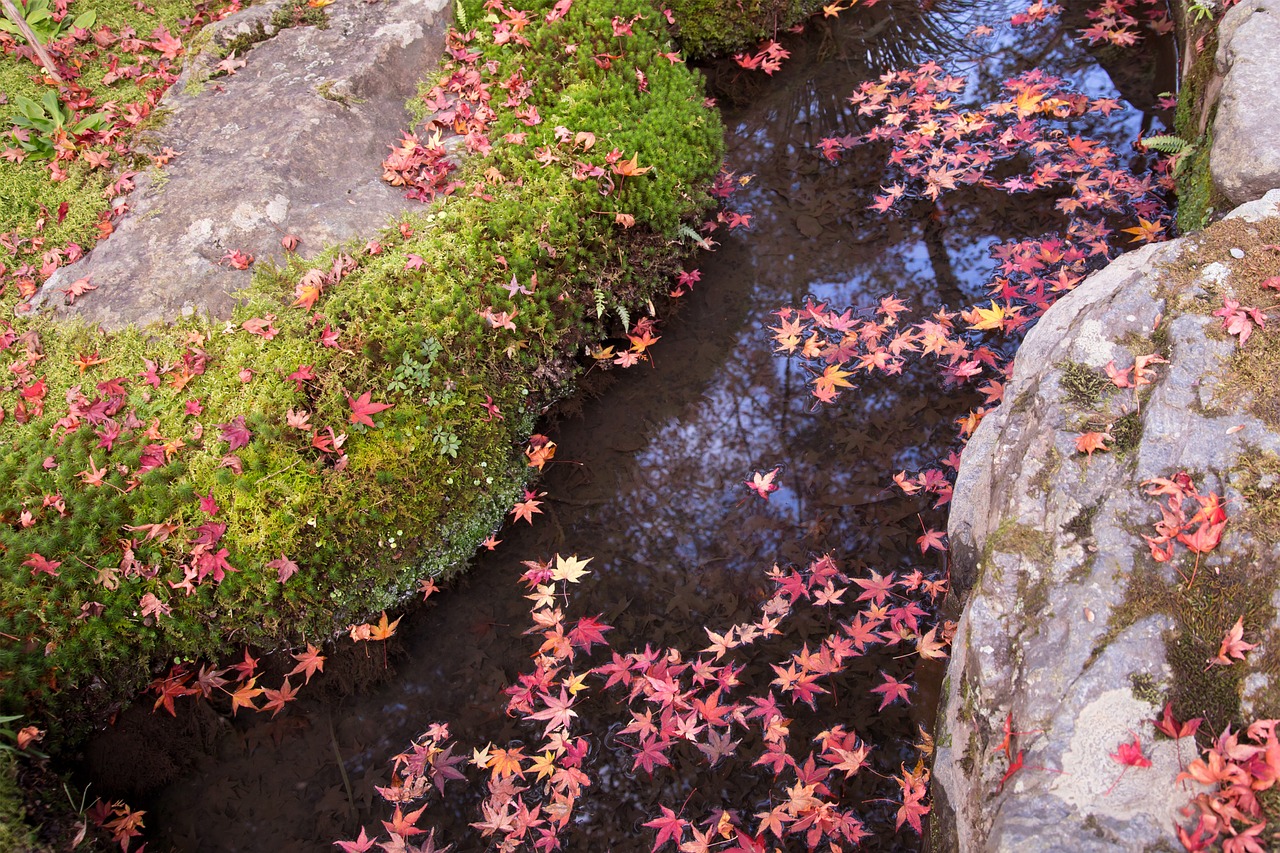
[
  {"x": 361, "y": 533},
  {"x": 1126, "y": 432},
  {"x": 242, "y": 43},
  {"x": 298, "y": 13},
  {"x": 1011, "y": 537},
  {"x": 1033, "y": 594},
  {"x": 1145, "y": 689},
  {"x": 325, "y": 90},
  {"x": 1081, "y": 526},
  {"x": 16, "y": 836},
  {"x": 705, "y": 27},
  {"x": 1197, "y": 198},
  {"x": 1044, "y": 478},
  {"x": 1083, "y": 385}
]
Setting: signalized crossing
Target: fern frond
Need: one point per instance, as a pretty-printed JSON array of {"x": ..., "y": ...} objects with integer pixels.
[
  {"x": 1166, "y": 144},
  {"x": 694, "y": 236}
]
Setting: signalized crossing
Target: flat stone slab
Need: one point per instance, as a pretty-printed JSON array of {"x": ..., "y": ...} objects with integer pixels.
[{"x": 291, "y": 143}]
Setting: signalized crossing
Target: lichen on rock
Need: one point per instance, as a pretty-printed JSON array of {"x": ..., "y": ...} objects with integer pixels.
[{"x": 1056, "y": 638}]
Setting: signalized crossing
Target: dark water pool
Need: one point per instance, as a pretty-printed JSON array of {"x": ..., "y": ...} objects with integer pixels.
[{"x": 648, "y": 479}]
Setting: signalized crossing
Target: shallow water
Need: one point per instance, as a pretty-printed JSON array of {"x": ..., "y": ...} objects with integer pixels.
[{"x": 648, "y": 479}]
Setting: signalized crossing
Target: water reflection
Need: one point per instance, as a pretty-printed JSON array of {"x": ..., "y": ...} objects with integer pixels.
[{"x": 648, "y": 479}]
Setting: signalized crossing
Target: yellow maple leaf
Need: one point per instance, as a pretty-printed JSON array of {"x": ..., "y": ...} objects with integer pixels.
[
  {"x": 831, "y": 379},
  {"x": 570, "y": 569},
  {"x": 1145, "y": 232},
  {"x": 993, "y": 318}
]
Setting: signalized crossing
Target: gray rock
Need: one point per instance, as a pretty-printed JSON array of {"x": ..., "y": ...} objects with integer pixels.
[
  {"x": 1045, "y": 546},
  {"x": 291, "y": 143},
  {"x": 1245, "y": 161}
]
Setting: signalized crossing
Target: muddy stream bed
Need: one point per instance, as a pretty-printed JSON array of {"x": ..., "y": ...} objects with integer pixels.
[{"x": 648, "y": 481}]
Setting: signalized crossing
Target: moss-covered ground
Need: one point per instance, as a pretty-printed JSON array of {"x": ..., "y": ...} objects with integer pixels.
[{"x": 162, "y": 495}]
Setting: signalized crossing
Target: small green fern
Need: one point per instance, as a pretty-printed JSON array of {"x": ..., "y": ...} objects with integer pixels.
[
  {"x": 693, "y": 236},
  {"x": 1167, "y": 144}
]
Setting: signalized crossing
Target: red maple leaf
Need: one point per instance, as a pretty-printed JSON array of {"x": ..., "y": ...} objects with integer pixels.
[
  {"x": 763, "y": 484},
  {"x": 362, "y": 408},
  {"x": 235, "y": 433},
  {"x": 528, "y": 507},
  {"x": 309, "y": 663},
  {"x": 38, "y": 564},
  {"x": 589, "y": 631},
  {"x": 932, "y": 539},
  {"x": 362, "y": 844},
  {"x": 892, "y": 690},
  {"x": 277, "y": 699},
  {"x": 670, "y": 829},
  {"x": 558, "y": 712},
  {"x": 1233, "y": 645},
  {"x": 652, "y": 754},
  {"x": 1173, "y": 728},
  {"x": 304, "y": 373},
  {"x": 285, "y": 567}
]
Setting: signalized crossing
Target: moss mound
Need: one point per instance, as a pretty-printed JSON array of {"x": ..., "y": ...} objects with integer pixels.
[{"x": 360, "y": 423}]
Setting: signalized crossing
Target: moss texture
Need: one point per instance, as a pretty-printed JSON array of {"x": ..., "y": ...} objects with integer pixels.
[{"x": 410, "y": 332}]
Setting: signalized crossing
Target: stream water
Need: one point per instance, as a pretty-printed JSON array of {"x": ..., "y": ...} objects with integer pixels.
[{"x": 648, "y": 479}]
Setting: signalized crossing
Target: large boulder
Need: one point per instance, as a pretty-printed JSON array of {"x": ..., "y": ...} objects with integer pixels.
[
  {"x": 291, "y": 143},
  {"x": 1073, "y": 637},
  {"x": 1245, "y": 161}
]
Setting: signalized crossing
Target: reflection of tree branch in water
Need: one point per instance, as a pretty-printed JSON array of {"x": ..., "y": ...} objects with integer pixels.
[{"x": 943, "y": 274}]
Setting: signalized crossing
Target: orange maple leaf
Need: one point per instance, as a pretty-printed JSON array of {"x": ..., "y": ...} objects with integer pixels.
[{"x": 1091, "y": 441}]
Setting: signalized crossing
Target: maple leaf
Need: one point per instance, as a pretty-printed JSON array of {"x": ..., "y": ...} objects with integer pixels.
[
  {"x": 304, "y": 373},
  {"x": 38, "y": 564},
  {"x": 1239, "y": 319},
  {"x": 1091, "y": 441},
  {"x": 237, "y": 259},
  {"x": 151, "y": 606},
  {"x": 244, "y": 695},
  {"x": 284, "y": 567},
  {"x": 1173, "y": 728},
  {"x": 79, "y": 287},
  {"x": 540, "y": 451},
  {"x": 558, "y": 713},
  {"x": 235, "y": 433},
  {"x": 1233, "y": 645},
  {"x": 309, "y": 663},
  {"x": 383, "y": 630},
  {"x": 362, "y": 408},
  {"x": 1146, "y": 232},
  {"x": 891, "y": 690},
  {"x": 932, "y": 539},
  {"x": 261, "y": 326},
  {"x": 506, "y": 762},
  {"x": 570, "y": 569},
  {"x": 670, "y": 829},
  {"x": 404, "y": 825},
  {"x": 832, "y": 378},
  {"x": 930, "y": 647},
  {"x": 362, "y": 844},
  {"x": 763, "y": 484},
  {"x": 528, "y": 507},
  {"x": 277, "y": 699}
]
